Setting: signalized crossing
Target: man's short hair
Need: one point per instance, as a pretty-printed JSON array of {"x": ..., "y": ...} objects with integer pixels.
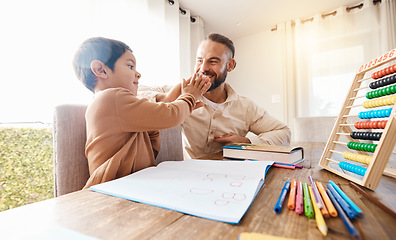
[
  {"x": 108, "y": 51},
  {"x": 215, "y": 37}
]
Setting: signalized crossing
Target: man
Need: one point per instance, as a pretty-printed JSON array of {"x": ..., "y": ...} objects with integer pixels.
[{"x": 226, "y": 117}]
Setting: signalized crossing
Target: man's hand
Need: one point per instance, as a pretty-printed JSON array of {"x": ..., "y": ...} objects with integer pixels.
[{"x": 231, "y": 138}]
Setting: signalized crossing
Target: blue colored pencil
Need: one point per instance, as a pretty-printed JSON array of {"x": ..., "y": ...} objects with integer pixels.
[
  {"x": 233, "y": 147},
  {"x": 347, "y": 199},
  {"x": 287, "y": 164},
  {"x": 349, "y": 225},
  {"x": 279, "y": 203},
  {"x": 347, "y": 208}
]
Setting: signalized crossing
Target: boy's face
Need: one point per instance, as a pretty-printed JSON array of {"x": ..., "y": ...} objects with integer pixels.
[{"x": 124, "y": 73}]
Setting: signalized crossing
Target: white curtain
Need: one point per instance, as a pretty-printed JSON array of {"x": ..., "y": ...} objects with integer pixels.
[
  {"x": 321, "y": 54},
  {"x": 39, "y": 39},
  {"x": 191, "y": 34}
]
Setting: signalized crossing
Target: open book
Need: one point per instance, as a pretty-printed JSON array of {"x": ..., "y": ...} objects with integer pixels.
[{"x": 217, "y": 190}]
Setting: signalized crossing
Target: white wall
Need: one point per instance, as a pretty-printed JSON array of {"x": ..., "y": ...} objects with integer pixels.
[{"x": 258, "y": 74}]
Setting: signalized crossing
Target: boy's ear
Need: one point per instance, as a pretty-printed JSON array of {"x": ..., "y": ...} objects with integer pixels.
[
  {"x": 231, "y": 64},
  {"x": 98, "y": 68}
]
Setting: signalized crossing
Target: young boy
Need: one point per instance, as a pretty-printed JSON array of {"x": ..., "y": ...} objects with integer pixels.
[{"x": 122, "y": 130}]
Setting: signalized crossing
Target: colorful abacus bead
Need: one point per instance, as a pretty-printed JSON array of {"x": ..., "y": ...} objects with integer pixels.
[
  {"x": 375, "y": 136},
  {"x": 387, "y": 71},
  {"x": 367, "y": 147},
  {"x": 352, "y": 168},
  {"x": 383, "y": 82},
  {"x": 381, "y": 92},
  {"x": 371, "y": 124},
  {"x": 393, "y": 68},
  {"x": 357, "y": 157},
  {"x": 391, "y": 100},
  {"x": 381, "y": 113}
]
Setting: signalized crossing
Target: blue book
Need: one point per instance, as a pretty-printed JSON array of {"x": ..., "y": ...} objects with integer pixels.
[{"x": 217, "y": 190}]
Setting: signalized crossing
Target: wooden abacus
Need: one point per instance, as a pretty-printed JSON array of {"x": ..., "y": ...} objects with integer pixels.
[{"x": 369, "y": 163}]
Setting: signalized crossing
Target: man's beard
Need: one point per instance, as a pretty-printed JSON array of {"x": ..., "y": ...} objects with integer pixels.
[{"x": 218, "y": 80}]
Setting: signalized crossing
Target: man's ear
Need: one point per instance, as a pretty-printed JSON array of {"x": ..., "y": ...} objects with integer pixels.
[
  {"x": 231, "y": 64},
  {"x": 98, "y": 68}
]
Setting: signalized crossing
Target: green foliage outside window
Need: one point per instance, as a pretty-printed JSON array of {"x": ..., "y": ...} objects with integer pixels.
[{"x": 26, "y": 166}]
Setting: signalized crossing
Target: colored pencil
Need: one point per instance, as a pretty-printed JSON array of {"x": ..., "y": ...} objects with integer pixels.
[
  {"x": 326, "y": 199},
  {"x": 316, "y": 193},
  {"x": 279, "y": 203},
  {"x": 289, "y": 164},
  {"x": 281, "y": 163},
  {"x": 299, "y": 199},
  {"x": 292, "y": 196},
  {"x": 318, "y": 215},
  {"x": 307, "y": 202},
  {"x": 324, "y": 210},
  {"x": 347, "y": 199},
  {"x": 283, "y": 166},
  {"x": 373, "y": 199},
  {"x": 349, "y": 225},
  {"x": 347, "y": 208}
]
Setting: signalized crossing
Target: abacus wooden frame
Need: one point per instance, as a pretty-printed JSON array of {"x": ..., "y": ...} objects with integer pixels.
[{"x": 385, "y": 145}]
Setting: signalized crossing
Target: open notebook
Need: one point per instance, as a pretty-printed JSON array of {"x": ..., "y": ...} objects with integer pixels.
[{"x": 217, "y": 190}]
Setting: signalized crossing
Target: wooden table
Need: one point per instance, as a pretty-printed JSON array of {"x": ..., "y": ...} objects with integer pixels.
[{"x": 107, "y": 217}]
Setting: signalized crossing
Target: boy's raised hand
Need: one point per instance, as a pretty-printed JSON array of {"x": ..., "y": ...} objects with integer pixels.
[{"x": 196, "y": 85}]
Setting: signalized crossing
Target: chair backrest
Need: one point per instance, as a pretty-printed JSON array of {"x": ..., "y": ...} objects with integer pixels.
[
  {"x": 70, "y": 164},
  {"x": 171, "y": 145}
]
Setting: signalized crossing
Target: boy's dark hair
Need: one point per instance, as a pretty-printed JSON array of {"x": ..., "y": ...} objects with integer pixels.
[
  {"x": 108, "y": 51},
  {"x": 215, "y": 37}
]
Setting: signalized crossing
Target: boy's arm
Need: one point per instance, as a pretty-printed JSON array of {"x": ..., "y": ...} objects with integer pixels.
[
  {"x": 135, "y": 114},
  {"x": 178, "y": 89},
  {"x": 183, "y": 87},
  {"x": 170, "y": 96}
]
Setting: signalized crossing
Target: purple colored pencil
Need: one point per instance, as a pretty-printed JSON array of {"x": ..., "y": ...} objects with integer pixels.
[{"x": 316, "y": 193}]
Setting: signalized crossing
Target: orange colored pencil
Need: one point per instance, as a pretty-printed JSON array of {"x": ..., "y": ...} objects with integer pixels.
[
  {"x": 292, "y": 196},
  {"x": 326, "y": 199},
  {"x": 324, "y": 210}
]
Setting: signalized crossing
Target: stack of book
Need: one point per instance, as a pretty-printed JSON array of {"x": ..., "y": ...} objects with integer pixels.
[{"x": 283, "y": 154}]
